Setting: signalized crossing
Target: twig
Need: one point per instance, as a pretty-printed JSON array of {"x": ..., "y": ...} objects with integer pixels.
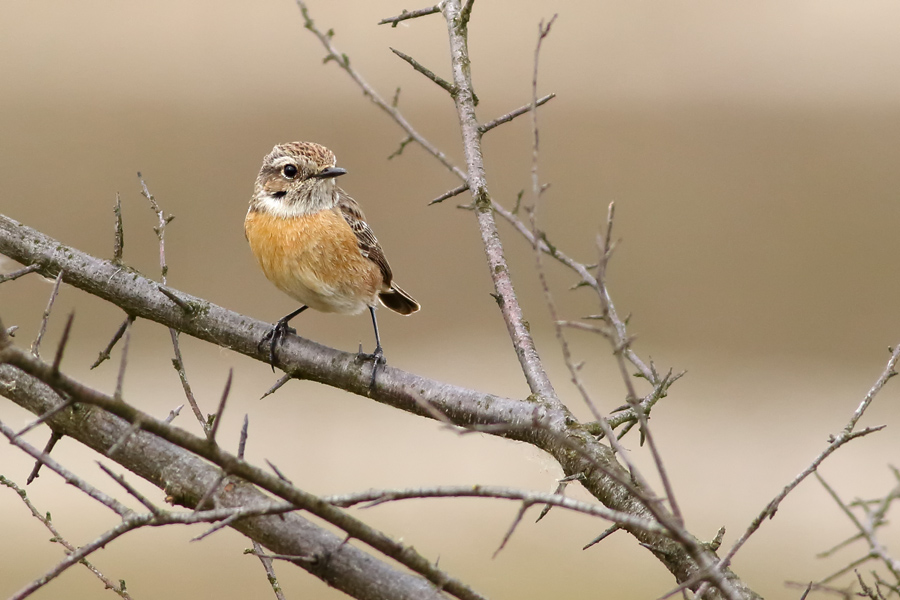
[
  {"x": 270, "y": 570},
  {"x": 375, "y": 497},
  {"x": 130, "y": 489},
  {"x": 187, "y": 308},
  {"x": 889, "y": 372},
  {"x": 443, "y": 83},
  {"x": 288, "y": 557},
  {"x": 58, "y": 538},
  {"x": 48, "y": 448},
  {"x": 135, "y": 521},
  {"x": 602, "y": 536},
  {"x": 119, "y": 241},
  {"x": 123, "y": 363},
  {"x": 835, "y": 442},
  {"x": 525, "y": 506},
  {"x": 403, "y": 144},
  {"x": 242, "y": 443},
  {"x": 35, "y": 347},
  {"x": 57, "y": 409},
  {"x": 411, "y": 14},
  {"x": 277, "y": 385},
  {"x": 178, "y": 363},
  {"x": 465, "y": 14},
  {"x": 104, "y": 355},
  {"x": 160, "y": 228},
  {"x": 344, "y": 63},
  {"x": 876, "y": 549},
  {"x": 20, "y": 273},
  {"x": 70, "y": 477},
  {"x": 446, "y": 195},
  {"x": 585, "y": 275},
  {"x": 174, "y": 413},
  {"x": 296, "y": 498},
  {"x": 485, "y": 127},
  {"x": 519, "y": 332},
  {"x": 211, "y": 434},
  {"x": 63, "y": 340}
]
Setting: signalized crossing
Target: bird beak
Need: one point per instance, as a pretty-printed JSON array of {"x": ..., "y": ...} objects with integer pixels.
[{"x": 329, "y": 172}]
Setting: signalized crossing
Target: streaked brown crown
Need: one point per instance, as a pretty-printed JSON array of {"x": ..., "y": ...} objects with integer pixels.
[{"x": 287, "y": 176}]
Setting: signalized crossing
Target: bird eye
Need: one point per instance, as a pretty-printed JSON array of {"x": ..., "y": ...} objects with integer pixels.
[{"x": 289, "y": 171}]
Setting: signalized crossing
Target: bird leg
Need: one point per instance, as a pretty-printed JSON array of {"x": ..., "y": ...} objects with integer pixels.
[{"x": 377, "y": 356}]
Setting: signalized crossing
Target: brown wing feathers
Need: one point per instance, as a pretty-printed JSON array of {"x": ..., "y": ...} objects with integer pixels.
[{"x": 395, "y": 298}]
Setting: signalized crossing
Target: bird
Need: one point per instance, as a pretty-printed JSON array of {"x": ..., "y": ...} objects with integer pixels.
[{"x": 312, "y": 241}]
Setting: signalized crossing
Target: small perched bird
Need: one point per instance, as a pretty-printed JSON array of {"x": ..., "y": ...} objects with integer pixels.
[{"x": 312, "y": 241}]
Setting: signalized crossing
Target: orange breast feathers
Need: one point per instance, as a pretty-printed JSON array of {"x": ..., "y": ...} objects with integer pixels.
[{"x": 315, "y": 259}]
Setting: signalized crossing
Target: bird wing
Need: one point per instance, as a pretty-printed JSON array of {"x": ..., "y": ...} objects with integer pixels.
[{"x": 368, "y": 243}]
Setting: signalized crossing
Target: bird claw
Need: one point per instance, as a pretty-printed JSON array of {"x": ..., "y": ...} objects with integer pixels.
[
  {"x": 275, "y": 336},
  {"x": 377, "y": 359}
]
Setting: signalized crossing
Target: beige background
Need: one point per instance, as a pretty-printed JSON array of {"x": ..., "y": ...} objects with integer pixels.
[{"x": 752, "y": 152}]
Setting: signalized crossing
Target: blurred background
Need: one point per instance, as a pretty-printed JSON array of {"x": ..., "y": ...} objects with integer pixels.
[{"x": 751, "y": 150}]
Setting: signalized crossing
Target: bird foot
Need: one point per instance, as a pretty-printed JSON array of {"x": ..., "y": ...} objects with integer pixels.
[
  {"x": 275, "y": 337},
  {"x": 377, "y": 359}
]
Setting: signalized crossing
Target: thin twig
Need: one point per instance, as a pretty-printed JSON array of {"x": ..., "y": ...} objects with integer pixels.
[
  {"x": 525, "y": 506},
  {"x": 211, "y": 434},
  {"x": 375, "y": 497},
  {"x": 410, "y": 14},
  {"x": 867, "y": 530},
  {"x": 602, "y": 536},
  {"x": 171, "y": 295},
  {"x": 20, "y": 273},
  {"x": 70, "y": 477},
  {"x": 120, "y": 479},
  {"x": 242, "y": 443},
  {"x": 58, "y": 538},
  {"x": 123, "y": 363},
  {"x": 343, "y": 62},
  {"x": 443, "y": 83},
  {"x": 446, "y": 195},
  {"x": 104, "y": 355},
  {"x": 178, "y": 363},
  {"x": 48, "y": 448},
  {"x": 174, "y": 413},
  {"x": 846, "y": 435},
  {"x": 485, "y": 127},
  {"x": 403, "y": 144},
  {"x": 35, "y": 347},
  {"x": 53, "y": 411},
  {"x": 63, "y": 340},
  {"x": 119, "y": 240},
  {"x": 277, "y": 385},
  {"x": 270, "y": 570},
  {"x": 296, "y": 498}
]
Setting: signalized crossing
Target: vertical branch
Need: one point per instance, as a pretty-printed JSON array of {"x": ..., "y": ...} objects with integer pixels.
[
  {"x": 119, "y": 244},
  {"x": 519, "y": 332}
]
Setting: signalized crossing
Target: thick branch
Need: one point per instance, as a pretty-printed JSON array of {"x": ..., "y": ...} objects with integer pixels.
[
  {"x": 185, "y": 478},
  {"x": 304, "y": 359}
]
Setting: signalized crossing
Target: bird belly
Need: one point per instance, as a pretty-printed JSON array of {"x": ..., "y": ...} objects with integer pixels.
[{"x": 314, "y": 259}]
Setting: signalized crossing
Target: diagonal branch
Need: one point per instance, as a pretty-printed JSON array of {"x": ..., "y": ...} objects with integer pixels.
[
  {"x": 185, "y": 477},
  {"x": 343, "y": 62}
]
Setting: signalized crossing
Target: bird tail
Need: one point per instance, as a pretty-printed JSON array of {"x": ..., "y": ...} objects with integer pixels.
[{"x": 398, "y": 301}]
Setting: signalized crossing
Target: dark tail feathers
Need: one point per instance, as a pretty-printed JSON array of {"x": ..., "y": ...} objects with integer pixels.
[{"x": 398, "y": 301}]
